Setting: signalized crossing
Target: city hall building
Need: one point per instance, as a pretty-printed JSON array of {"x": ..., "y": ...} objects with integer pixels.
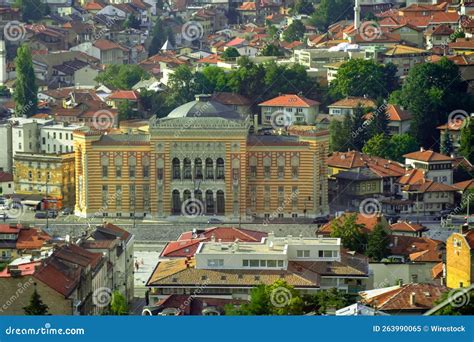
[{"x": 202, "y": 159}]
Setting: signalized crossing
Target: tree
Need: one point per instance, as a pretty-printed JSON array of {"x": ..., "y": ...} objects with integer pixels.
[
  {"x": 378, "y": 243},
  {"x": 390, "y": 147},
  {"x": 125, "y": 111},
  {"x": 359, "y": 132},
  {"x": 122, "y": 76},
  {"x": 378, "y": 145},
  {"x": 339, "y": 132},
  {"x": 36, "y": 306},
  {"x": 321, "y": 301},
  {"x": 118, "y": 305},
  {"x": 430, "y": 92},
  {"x": 271, "y": 50},
  {"x": 330, "y": 11},
  {"x": 159, "y": 36},
  {"x": 181, "y": 87},
  {"x": 278, "y": 298},
  {"x": 295, "y": 31},
  {"x": 230, "y": 54},
  {"x": 132, "y": 22},
  {"x": 379, "y": 120},
  {"x": 466, "y": 148},
  {"x": 33, "y": 10},
  {"x": 361, "y": 77},
  {"x": 351, "y": 233},
  {"x": 446, "y": 145},
  {"x": 26, "y": 90},
  {"x": 303, "y": 7}
]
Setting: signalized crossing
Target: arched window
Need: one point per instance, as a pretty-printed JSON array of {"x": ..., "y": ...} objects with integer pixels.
[
  {"x": 253, "y": 167},
  {"x": 209, "y": 202},
  {"x": 281, "y": 166},
  {"x": 220, "y": 202},
  {"x": 176, "y": 201},
  {"x": 176, "y": 169},
  {"x": 187, "y": 172},
  {"x": 220, "y": 168},
  {"x": 267, "y": 162},
  {"x": 295, "y": 166},
  {"x": 209, "y": 169},
  {"x": 198, "y": 195},
  {"x": 186, "y": 195},
  {"x": 198, "y": 168}
]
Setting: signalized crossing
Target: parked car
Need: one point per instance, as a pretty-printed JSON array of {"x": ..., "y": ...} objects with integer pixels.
[
  {"x": 66, "y": 212},
  {"x": 52, "y": 214},
  {"x": 321, "y": 220},
  {"x": 41, "y": 215},
  {"x": 214, "y": 220}
]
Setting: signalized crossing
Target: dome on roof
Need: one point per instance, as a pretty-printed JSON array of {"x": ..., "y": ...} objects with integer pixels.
[{"x": 204, "y": 107}]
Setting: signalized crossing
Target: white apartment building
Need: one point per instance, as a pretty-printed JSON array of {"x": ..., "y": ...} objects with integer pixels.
[
  {"x": 26, "y": 134},
  {"x": 437, "y": 167},
  {"x": 57, "y": 138}
]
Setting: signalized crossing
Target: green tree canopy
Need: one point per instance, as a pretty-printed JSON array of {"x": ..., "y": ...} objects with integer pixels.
[
  {"x": 361, "y": 77},
  {"x": 330, "y": 11},
  {"x": 271, "y": 50},
  {"x": 390, "y": 147},
  {"x": 466, "y": 148},
  {"x": 323, "y": 300},
  {"x": 350, "y": 232},
  {"x": 132, "y": 22},
  {"x": 430, "y": 92},
  {"x": 26, "y": 90},
  {"x": 230, "y": 54},
  {"x": 378, "y": 243},
  {"x": 125, "y": 111},
  {"x": 36, "y": 306},
  {"x": 295, "y": 31},
  {"x": 122, "y": 76},
  {"x": 118, "y": 305},
  {"x": 446, "y": 145},
  {"x": 303, "y": 7}
]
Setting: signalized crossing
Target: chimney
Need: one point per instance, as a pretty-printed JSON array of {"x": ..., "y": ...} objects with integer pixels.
[
  {"x": 395, "y": 240},
  {"x": 412, "y": 299},
  {"x": 422, "y": 149}
]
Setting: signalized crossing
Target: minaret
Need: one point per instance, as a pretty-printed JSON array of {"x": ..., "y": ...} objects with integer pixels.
[
  {"x": 357, "y": 15},
  {"x": 3, "y": 63}
]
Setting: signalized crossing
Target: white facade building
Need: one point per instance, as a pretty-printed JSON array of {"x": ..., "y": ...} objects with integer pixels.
[{"x": 57, "y": 138}]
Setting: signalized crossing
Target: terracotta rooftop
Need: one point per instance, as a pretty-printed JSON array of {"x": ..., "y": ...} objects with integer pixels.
[
  {"x": 427, "y": 156},
  {"x": 399, "y": 298},
  {"x": 6, "y": 177},
  {"x": 353, "y": 102},
  {"x": 58, "y": 276},
  {"x": 405, "y": 226},
  {"x": 131, "y": 95},
  {"x": 32, "y": 238},
  {"x": 6, "y": 228},
  {"x": 469, "y": 184},
  {"x": 368, "y": 222},
  {"x": 408, "y": 246},
  {"x": 290, "y": 100}
]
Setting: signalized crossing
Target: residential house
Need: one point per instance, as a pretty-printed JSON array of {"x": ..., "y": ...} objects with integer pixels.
[
  {"x": 106, "y": 51},
  {"x": 349, "y": 104},
  {"x": 438, "y": 37},
  {"x": 438, "y": 167},
  {"x": 407, "y": 299},
  {"x": 429, "y": 197},
  {"x": 368, "y": 223},
  {"x": 408, "y": 229},
  {"x": 240, "y": 103},
  {"x": 399, "y": 120},
  {"x": 6, "y": 183},
  {"x": 292, "y": 108}
]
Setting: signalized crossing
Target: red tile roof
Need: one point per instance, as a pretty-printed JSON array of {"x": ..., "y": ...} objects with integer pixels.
[
  {"x": 409, "y": 246},
  {"x": 131, "y": 95},
  {"x": 440, "y": 30},
  {"x": 290, "y": 100},
  {"x": 78, "y": 255},
  {"x": 353, "y": 102},
  {"x": 369, "y": 222},
  {"x": 104, "y": 44},
  {"x": 93, "y": 6},
  {"x": 412, "y": 176},
  {"x": 6, "y": 177},
  {"x": 31, "y": 238},
  {"x": 400, "y": 298},
  {"x": 404, "y": 226},
  {"x": 61, "y": 279},
  {"x": 427, "y": 156},
  {"x": 6, "y": 228},
  {"x": 469, "y": 184}
]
